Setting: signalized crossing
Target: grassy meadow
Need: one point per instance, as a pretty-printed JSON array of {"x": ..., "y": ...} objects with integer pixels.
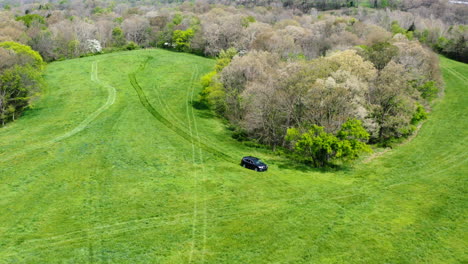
[{"x": 114, "y": 165}]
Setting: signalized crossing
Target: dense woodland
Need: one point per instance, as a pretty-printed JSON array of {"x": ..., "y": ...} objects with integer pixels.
[
  {"x": 320, "y": 78},
  {"x": 63, "y": 29}
]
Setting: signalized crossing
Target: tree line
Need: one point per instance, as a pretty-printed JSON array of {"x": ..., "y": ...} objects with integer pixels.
[{"x": 67, "y": 29}]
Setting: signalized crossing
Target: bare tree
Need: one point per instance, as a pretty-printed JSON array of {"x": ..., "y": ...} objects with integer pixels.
[{"x": 136, "y": 29}]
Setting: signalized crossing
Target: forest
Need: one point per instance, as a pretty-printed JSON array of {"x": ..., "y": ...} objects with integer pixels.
[{"x": 332, "y": 76}]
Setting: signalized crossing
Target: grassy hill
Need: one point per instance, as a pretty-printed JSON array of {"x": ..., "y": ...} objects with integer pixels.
[{"x": 114, "y": 165}]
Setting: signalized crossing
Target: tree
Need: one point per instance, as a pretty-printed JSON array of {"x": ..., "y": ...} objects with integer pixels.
[
  {"x": 30, "y": 18},
  {"x": 104, "y": 32},
  {"x": 353, "y": 132},
  {"x": 118, "y": 37},
  {"x": 380, "y": 54},
  {"x": 136, "y": 29},
  {"x": 320, "y": 148},
  {"x": 94, "y": 46},
  {"x": 314, "y": 146},
  {"x": 213, "y": 94},
  {"x": 7, "y": 59},
  {"x": 181, "y": 39},
  {"x": 14, "y": 91},
  {"x": 256, "y": 66},
  {"x": 20, "y": 77},
  {"x": 392, "y": 101},
  {"x": 222, "y": 32},
  {"x": 25, "y": 53}
]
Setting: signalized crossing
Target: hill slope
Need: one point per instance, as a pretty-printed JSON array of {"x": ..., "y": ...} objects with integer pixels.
[{"x": 114, "y": 165}]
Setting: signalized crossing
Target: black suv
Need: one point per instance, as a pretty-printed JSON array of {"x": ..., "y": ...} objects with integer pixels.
[{"x": 253, "y": 164}]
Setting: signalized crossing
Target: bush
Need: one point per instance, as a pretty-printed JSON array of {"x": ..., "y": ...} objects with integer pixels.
[
  {"x": 428, "y": 90},
  {"x": 131, "y": 46},
  {"x": 419, "y": 115}
]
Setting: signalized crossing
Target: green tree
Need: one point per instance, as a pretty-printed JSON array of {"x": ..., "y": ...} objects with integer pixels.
[
  {"x": 20, "y": 78},
  {"x": 315, "y": 146},
  {"x": 419, "y": 115},
  {"x": 17, "y": 86},
  {"x": 30, "y": 18},
  {"x": 246, "y": 21},
  {"x": 118, "y": 37},
  {"x": 321, "y": 148},
  {"x": 25, "y": 52},
  {"x": 396, "y": 29},
  {"x": 224, "y": 58},
  {"x": 181, "y": 39},
  {"x": 428, "y": 90},
  {"x": 213, "y": 94},
  {"x": 354, "y": 137},
  {"x": 380, "y": 54}
]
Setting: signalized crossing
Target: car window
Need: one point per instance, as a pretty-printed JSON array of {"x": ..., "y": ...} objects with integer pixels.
[{"x": 258, "y": 162}]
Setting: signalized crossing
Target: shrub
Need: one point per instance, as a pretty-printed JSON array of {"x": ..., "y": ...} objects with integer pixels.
[
  {"x": 131, "y": 46},
  {"x": 419, "y": 115},
  {"x": 428, "y": 90}
]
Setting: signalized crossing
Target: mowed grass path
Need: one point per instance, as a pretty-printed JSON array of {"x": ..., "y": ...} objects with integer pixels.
[{"x": 114, "y": 165}]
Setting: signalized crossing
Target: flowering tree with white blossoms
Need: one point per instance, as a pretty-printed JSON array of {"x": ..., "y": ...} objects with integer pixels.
[{"x": 94, "y": 45}]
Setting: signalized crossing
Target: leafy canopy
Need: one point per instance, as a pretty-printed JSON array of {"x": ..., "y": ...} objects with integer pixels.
[
  {"x": 321, "y": 148},
  {"x": 24, "y": 50}
]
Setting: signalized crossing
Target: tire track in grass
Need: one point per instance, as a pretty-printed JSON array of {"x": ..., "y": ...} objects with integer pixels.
[
  {"x": 166, "y": 107},
  {"x": 456, "y": 73},
  {"x": 194, "y": 141},
  {"x": 205, "y": 216},
  {"x": 450, "y": 158},
  {"x": 112, "y": 94},
  {"x": 110, "y": 101},
  {"x": 170, "y": 125},
  {"x": 194, "y": 176},
  {"x": 447, "y": 156},
  {"x": 119, "y": 228},
  {"x": 194, "y": 127}
]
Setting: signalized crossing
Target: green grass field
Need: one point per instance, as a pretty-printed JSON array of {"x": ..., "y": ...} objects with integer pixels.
[{"x": 114, "y": 165}]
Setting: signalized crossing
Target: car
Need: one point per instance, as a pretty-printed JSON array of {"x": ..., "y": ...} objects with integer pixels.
[{"x": 253, "y": 163}]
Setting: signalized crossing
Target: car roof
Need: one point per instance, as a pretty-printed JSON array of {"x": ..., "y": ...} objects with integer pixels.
[{"x": 251, "y": 158}]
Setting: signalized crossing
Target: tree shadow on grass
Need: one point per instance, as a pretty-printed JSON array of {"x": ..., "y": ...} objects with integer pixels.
[
  {"x": 206, "y": 114},
  {"x": 32, "y": 112},
  {"x": 199, "y": 105},
  {"x": 290, "y": 164},
  {"x": 204, "y": 110}
]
